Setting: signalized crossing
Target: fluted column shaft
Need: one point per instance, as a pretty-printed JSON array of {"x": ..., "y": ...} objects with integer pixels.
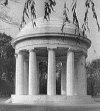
[
  {"x": 70, "y": 74},
  {"x": 26, "y": 76},
  {"x": 33, "y": 74},
  {"x": 82, "y": 79},
  {"x": 19, "y": 74},
  {"x": 51, "y": 81}
]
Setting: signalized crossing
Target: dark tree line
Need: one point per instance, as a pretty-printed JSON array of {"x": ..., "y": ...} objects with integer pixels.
[
  {"x": 93, "y": 77},
  {"x": 7, "y": 65}
]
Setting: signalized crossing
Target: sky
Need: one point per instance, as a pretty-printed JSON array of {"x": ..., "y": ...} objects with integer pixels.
[{"x": 15, "y": 10}]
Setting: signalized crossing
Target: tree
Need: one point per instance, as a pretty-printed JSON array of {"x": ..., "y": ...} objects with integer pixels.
[
  {"x": 93, "y": 74},
  {"x": 7, "y": 63},
  {"x": 43, "y": 77}
]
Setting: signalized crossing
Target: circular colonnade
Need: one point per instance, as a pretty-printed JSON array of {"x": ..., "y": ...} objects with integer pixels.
[{"x": 46, "y": 42}]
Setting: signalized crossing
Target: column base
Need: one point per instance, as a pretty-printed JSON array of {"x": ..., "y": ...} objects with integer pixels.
[{"x": 51, "y": 100}]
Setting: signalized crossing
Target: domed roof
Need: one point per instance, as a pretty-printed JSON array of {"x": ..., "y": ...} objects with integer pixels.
[
  {"x": 52, "y": 26},
  {"x": 50, "y": 29}
]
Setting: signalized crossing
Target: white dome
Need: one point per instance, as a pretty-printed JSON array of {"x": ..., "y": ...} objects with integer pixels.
[{"x": 51, "y": 26}]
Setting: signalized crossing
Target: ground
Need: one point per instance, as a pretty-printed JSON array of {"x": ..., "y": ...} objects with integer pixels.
[
  {"x": 45, "y": 108},
  {"x": 16, "y": 107}
]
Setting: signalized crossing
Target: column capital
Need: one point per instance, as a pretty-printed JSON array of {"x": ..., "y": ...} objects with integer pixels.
[
  {"x": 51, "y": 47},
  {"x": 71, "y": 50},
  {"x": 32, "y": 50},
  {"x": 77, "y": 51},
  {"x": 21, "y": 52}
]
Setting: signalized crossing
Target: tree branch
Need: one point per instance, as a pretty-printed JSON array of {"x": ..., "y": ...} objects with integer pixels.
[{"x": 49, "y": 4}]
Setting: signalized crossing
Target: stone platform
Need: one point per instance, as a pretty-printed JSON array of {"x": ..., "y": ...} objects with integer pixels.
[{"x": 47, "y": 100}]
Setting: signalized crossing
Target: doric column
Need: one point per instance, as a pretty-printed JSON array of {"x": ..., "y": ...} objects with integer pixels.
[
  {"x": 82, "y": 79},
  {"x": 75, "y": 77},
  {"x": 26, "y": 76},
  {"x": 16, "y": 76},
  {"x": 20, "y": 74},
  {"x": 51, "y": 81},
  {"x": 70, "y": 74},
  {"x": 63, "y": 79},
  {"x": 33, "y": 74}
]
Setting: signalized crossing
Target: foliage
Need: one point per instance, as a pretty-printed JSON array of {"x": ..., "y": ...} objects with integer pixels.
[
  {"x": 29, "y": 8},
  {"x": 93, "y": 73},
  {"x": 43, "y": 77},
  {"x": 7, "y": 62},
  {"x": 75, "y": 19},
  {"x": 89, "y": 4},
  {"x": 65, "y": 19},
  {"x": 30, "y": 12},
  {"x": 48, "y": 8},
  {"x": 5, "y": 2}
]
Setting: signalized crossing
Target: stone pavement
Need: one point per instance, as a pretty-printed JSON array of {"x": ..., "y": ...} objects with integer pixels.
[
  {"x": 10, "y": 107},
  {"x": 19, "y": 107}
]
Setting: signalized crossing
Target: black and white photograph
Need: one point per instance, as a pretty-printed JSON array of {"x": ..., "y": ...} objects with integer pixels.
[{"x": 49, "y": 55}]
